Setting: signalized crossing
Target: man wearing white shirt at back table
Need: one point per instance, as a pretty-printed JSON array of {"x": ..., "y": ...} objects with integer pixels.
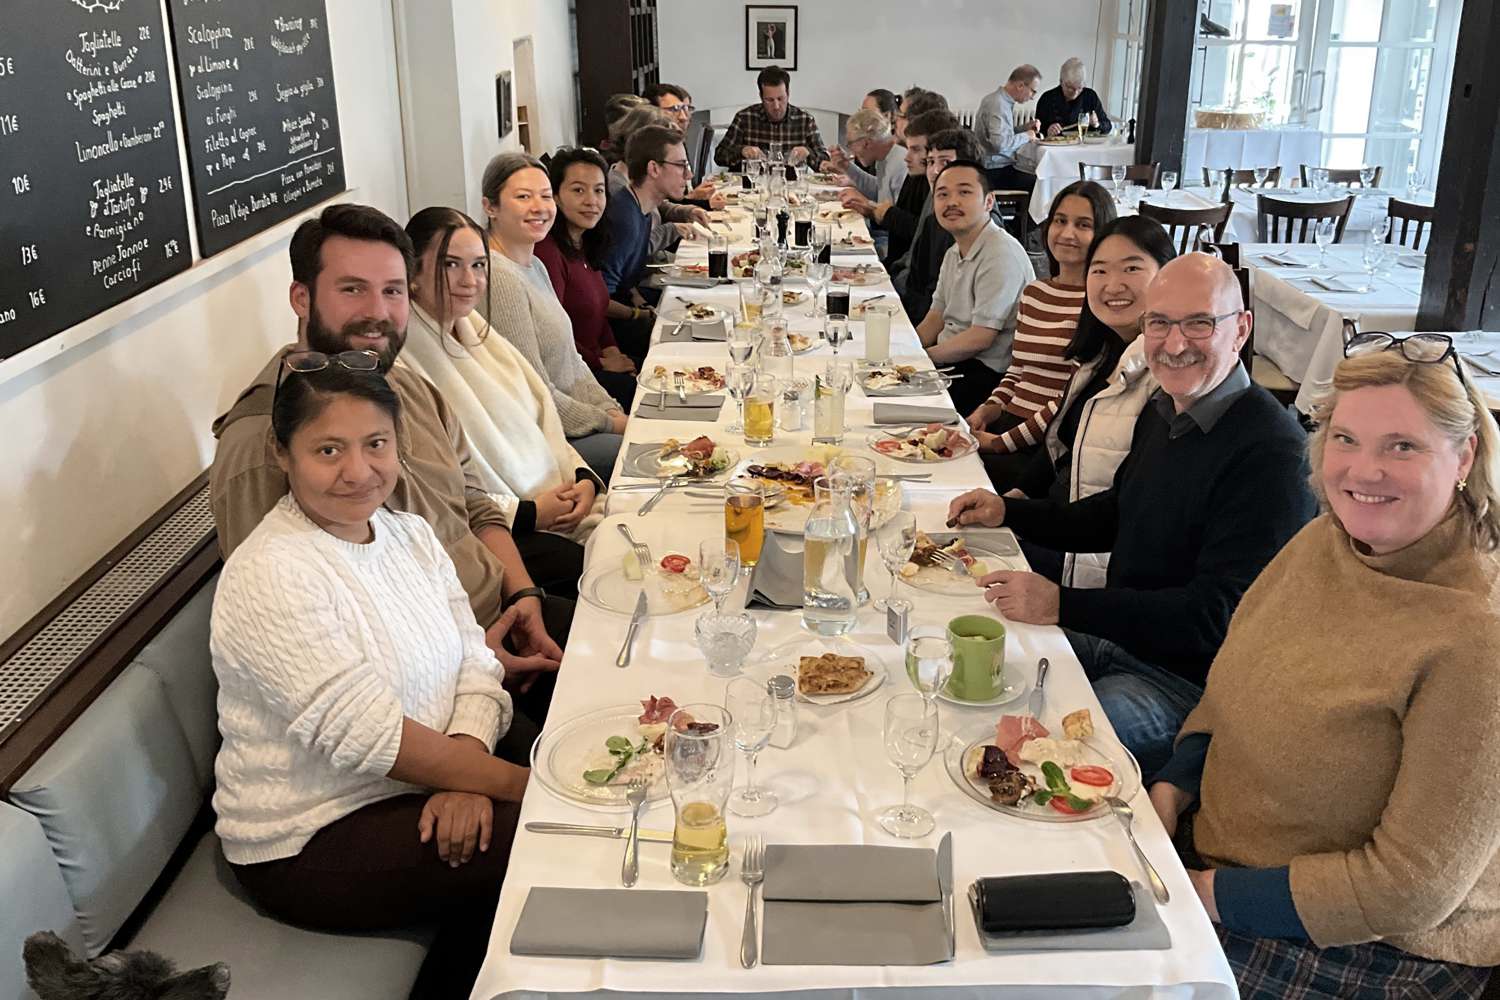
[
  {"x": 972, "y": 320},
  {"x": 995, "y": 124}
]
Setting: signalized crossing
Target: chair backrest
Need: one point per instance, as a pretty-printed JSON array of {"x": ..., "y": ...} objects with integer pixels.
[
  {"x": 1232, "y": 177},
  {"x": 1015, "y": 208},
  {"x": 1409, "y": 222},
  {"x": 1341, "y": 175},
  {"x": 965, "y": 119},
  {"x": 1278, "y": 221},
  {"x": 1247, "y": 352},
  {"x": 1146, "y": 174},
  {"x": 1184, "y": 225}
]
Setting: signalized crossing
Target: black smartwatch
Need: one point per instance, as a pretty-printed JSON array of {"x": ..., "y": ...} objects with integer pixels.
[{"x": 524, "y": 592}]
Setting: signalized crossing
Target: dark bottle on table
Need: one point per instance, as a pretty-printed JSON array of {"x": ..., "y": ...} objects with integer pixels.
[
  {"x": 838, "y": 303},
  {"x": 791, "y": 173},
  {"x": 718, "y": 263},
  {"x": 803, "y": 231},
  {"x": 782, "y": 218}
]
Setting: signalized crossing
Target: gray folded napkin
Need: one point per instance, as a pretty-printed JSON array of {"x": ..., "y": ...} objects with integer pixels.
[
  {"x": 691, "y": 280},
  {"x": 1145, "y": 933},
  {"x": 776, "y": 581},
  {"x": 611, "y": 923},
  {"x": 908, "y": 413},
  {"x": 684, "y": 333},
  {"x": 699, "y": 406},
  {"x": 851, "y": 873},
  {"x": 710, "y": 331}
]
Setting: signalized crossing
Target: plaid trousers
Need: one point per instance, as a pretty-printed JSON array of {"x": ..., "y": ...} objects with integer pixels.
[{"x": 1271, "y": 969}]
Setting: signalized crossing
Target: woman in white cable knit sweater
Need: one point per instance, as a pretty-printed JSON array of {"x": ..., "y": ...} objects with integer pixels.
[
  {"x": 358, "y": 703},
  {"x": 525, "y": 310}
]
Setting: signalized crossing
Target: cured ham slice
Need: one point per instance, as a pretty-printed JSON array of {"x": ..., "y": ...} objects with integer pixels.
[
  {"x": 1012, "y": 731},
  {"x": 656, "y": 710}
]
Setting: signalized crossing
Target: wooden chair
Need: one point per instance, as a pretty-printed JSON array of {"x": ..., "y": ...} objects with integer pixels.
[
  {"x": 1015, "y": 208},
  {"x": 1340, "y": 175},
  {"x": 1413, "y": 220},
  {"x": 1239, "y": 178},
  {"x": 1184, "y": 225},
  {"x": 1271, "y": 213},
  {"x": 1147, "y": 174}
]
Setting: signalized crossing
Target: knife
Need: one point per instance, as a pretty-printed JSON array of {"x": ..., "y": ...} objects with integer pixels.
[
  {"x": 610, "y": 832},
  {"x": 945, "y": 885},
  {"x": 623, "y": 660},
  {"x": 655, "y": 499},
  {"x": 1034, "y": 708}
]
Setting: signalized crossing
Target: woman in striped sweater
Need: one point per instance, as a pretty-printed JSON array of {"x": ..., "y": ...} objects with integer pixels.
[{"x": 1010, "y": 425}]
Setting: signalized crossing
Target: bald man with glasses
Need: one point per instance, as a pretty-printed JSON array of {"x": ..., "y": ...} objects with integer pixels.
[{"x": 1213, "y": 486}]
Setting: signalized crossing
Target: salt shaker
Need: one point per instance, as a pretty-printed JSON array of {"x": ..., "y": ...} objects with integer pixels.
[{"x": 784, "y": 690}]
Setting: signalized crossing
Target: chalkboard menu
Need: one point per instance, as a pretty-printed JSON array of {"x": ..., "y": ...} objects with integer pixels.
[
  {"x": 91, "y": 201},
  {"x": 258, "y": 110}
]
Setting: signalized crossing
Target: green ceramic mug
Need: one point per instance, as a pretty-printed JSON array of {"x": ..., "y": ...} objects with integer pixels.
[{"x": 978, "y": 657}]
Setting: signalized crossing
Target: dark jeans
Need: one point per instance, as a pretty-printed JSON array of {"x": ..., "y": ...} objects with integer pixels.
[
  {"x": 369, "y": 872},
  {"x": 634, "y": 337},
  {"x": 620, "y": 385},
  {"x": 554, "y": 562},
  {"x": 970, "y": 392},
  {"x": 1146, "y": 704},
  {"x": 599, "y": 450}
]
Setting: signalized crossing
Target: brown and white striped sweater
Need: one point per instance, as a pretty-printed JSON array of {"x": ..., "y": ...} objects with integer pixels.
[{"x": 1033, "y": 386}]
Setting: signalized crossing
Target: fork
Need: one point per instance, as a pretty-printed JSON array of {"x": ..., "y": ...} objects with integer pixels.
[
  {"x": 752, "y": 873},
  {"x": 630, "y": 870},
  {"x": 679, "y": 382},
  {"x": 1126, "y": 815},
  {"x": 954, "y": 564},
  {"x": 642, "y": 554}
]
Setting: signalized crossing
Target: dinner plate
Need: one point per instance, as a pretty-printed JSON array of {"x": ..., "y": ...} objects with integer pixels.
[
  {"x": 957, "y": 759},
  {"x": 650, "y": 380},
  {"x": 683, "y": 313},
  {"x": 858, "y": 279},
  {"x": 941, "y": 580},
  {"x": 792, "y": 515},
  {"x": 968, "y": 448},
  {"x": 783, "y": 659},
  {"x": 650, "y": 464},
  {"x": 606, "y": 587},
  {"x": 933, "y": 385},
  {"x": 813, "y": 343},
  {"x": 562, "y": 753}
]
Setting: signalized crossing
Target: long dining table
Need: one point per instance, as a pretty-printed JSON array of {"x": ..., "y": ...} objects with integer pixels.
[{"x": 835, "y": 778}]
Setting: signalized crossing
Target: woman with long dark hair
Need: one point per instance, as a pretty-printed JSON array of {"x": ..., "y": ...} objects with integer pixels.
[{"x": 574, "y": 255}]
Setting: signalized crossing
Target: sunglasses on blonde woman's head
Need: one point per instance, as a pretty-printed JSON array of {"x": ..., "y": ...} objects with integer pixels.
[{"x": 1421, "y": 348}]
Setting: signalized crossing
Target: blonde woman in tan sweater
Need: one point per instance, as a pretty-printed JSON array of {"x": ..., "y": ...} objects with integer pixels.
[{"x": 1348, "y": 741}]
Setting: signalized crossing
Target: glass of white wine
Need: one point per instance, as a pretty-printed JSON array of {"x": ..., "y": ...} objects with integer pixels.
[
  {"x": 753, "y": 712},
  {"x": 911, "y": 736},
  {"x": 699, "y": 758},
  {"x": 896, "y": 537}
]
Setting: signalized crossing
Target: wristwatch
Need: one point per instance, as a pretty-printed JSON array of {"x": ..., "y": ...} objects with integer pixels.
[{"x": 521, "y": 594}]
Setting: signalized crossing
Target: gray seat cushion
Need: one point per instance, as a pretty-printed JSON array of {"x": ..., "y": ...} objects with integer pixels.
[
  {"x": 115, "y": 794},
  {"x": 204, "y": 917},
  {"x": 179, "y": 657},
  {"x": 33, "y": 894}
]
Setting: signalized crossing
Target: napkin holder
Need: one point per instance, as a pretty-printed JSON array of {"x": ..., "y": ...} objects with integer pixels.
[
  {"x": 1060, "y": 901},
  {"x": 777, "y": 579}
]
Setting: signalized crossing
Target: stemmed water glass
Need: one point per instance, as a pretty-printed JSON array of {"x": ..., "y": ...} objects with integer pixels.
[
  {"x": 1168, "y": 183},
  {"x": 739, "y": 380},
  {"x": 818, "y": 277},
  {"x": 1261, "y": 173},
  {"x": 1367, "y": 176},
  {"x": 836, "y": 330},
  {"x": 1372, "y": 257},
  {"x": 742, "y": 341},
  {"x": 1117, "y": 178},
  {"x": 821, "y": 237},
  {"x": 929, "y": 659},
  {"x": 896, "y": 537},
  {"x": 752, "y": 713},
  {"x": 1323, "y": 235},
  {"x": 718, "y": 569},
  {"x": 911, "y": 736}
]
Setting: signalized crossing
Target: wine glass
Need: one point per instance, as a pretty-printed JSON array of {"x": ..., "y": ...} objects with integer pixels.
[
  {"x": 718, "y": 569},
  {"x": 1382, "y": 227},
  {"x": 739, "y": 380},
  {"x": 887, "y": 498},
  {"x": 752, "y": 713},
  {"x": 895, "y": 537},
  {"x": 1261, "y": 173},
  {"x": 1367, "y": 176},
  {"x": 818, "y": 277},
  {"x": 1117, "y": 177},
  {"x": 1372, "y": 257},
  {"x": 1323, "y": 235},
  {"x": 836, "y": 330},
  {"x": 1168, "y": 182},
  {"x": 929, "y": 659},
  {"x": 911, "y": 735},
  {"x": 742, "y": 341}
]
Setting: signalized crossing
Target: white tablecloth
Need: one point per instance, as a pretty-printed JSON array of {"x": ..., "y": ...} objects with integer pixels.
[
  {"x": 1299, "y": 326},
  {"x": 1248, "y": 148},
  {"x": 1057, "y": 167},
  {"x": 832, "y": 783}
]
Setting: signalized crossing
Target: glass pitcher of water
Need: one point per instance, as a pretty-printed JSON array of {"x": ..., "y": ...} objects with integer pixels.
[{"x": 830, "y": 562}]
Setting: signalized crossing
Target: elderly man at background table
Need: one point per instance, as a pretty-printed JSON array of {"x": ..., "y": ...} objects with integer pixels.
[
  {"x": 972, "y": 318},
  {"x": 1214, "y": 485},
  {"x": 995, "y": 124},
  {"x": 870, "y": 141},
  {"x": 1060, "y": 107},
  {"x": 775, "y": 121}
]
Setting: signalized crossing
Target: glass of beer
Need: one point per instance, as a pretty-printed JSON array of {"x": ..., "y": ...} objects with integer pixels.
[
  {"x": 760, "y": 411},
  {"x": 745, "y": 518},
  {"x": 699, "y": 755}
]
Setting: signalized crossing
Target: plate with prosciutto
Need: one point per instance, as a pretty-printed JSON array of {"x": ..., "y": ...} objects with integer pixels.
[
  {"x": 1019, "y": 767},
  {"x": 902, "y": 380},
  {"x": 933, "y": 443},
  {"x": 702, "y": 378},
  {"x": 859, "y": 274},
  {"x": 699, "y": 458},
  {"x": 592, "y": 759},
  {"x": 929, "y": 566}
]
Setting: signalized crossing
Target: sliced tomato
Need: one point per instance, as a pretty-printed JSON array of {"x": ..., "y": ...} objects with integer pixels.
[
  {"x": 1060, "y": 803},
  {"x": 889, "y": 445},
  {"x": 675, "y": 563},
  {"x": 1092, "y": 774}
]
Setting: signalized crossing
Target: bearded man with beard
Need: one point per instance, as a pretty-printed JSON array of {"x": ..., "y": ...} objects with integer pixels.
[
  {"x": 350, "y": 272},
  {"x": 1215, "y": 483}
]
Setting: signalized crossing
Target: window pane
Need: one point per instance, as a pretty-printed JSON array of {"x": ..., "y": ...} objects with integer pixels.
[
  {"x": 1344, "y": 153},
  {"x": 1258, "y": 19},
  {"x": 1357, "y": 20},
  {"x": 1266, "y": 81},
  {"x": 1348, "y": 89},
  {"x": 1410, "y": 20},
  {"x": 1401, "y": 89},
  {"x": 1220, "y": 77},
  {"x": 1227, "y": 13}
]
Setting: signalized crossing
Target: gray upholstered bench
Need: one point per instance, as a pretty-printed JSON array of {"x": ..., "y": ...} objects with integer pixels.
[{"x": 92, "y": 826}]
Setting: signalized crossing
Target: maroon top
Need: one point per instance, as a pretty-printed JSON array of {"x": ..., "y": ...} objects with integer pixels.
[{"x": 581, "y": 291}]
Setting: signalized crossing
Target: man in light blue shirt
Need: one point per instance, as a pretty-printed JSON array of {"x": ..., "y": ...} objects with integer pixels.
[{"x": 995, "y": 124}]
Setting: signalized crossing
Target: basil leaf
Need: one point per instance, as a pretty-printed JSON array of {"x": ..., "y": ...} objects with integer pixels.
[
  {"x": 1041, "y": 796},
  {"x": 600, "y": 776},
  {"x": 1081, "y": 805},
  {"x": 1054, "y": 776},
  {"x": 617, "y": 744}
]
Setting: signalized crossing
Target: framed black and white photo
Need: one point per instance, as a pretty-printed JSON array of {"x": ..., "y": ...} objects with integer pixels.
[{"x": 770, "y": 36}]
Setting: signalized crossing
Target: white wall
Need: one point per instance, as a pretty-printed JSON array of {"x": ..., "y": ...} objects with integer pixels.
[
  {"x": 961, "y": 48},
  {"x": 98, "y": 438}
]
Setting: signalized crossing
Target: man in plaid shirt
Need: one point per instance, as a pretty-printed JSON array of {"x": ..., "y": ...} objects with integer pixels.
[{"x": 774, "y": 121}]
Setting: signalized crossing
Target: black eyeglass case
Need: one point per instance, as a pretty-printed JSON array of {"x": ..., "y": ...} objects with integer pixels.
[{"x": 1061, "y": 901}]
